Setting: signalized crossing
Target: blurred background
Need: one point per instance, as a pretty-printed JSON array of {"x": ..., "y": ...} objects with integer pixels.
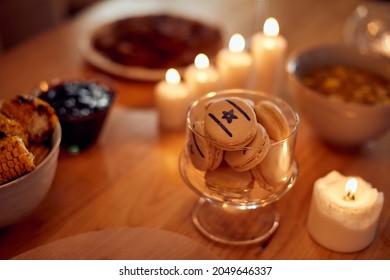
[{"x": 22, "y": 19}]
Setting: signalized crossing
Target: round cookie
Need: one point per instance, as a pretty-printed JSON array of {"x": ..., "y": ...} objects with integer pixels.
[
  {"x": 250, "y": 102},
  {"x": 229, "y": 183},
  {"x": 256, "y": 173},
  {"x": 252, "y": 154},
  {"x": 230, "y": 123},
  {"x": 276, "y": 169},
  {"x": 273, "y": 120},
  {"x": 203, "y": 155}
]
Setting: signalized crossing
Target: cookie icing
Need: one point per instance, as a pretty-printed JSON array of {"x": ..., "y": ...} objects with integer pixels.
[
  {"x": 238, "y": 108},
  {"x": 221, "y": 125},
  {"x": 230, "y": 123},
  {"x": 197, "y": 146}
]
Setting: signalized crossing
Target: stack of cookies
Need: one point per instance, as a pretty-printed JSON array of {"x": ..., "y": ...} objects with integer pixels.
[{"x": 238, "y": 142}]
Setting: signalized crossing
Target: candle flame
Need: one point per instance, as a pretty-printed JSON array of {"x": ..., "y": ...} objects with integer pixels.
[
  {"x": 374, "y": 27},
  {"x": 386, "y": 42},
  {"x": 44, "y": 86},
  {"x": 350, "y": 188},
  {"x": 172, "y": 76},
  {"x": 237, "y": 43},
  {"x": 201, "y": 61},
  {"x": 271, "y": 27}
]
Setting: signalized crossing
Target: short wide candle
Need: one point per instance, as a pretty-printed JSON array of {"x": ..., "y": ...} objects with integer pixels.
[
  {"x": 344, "y": 212},
  {"x": 234, "y": 64},
  {"x": 268, "y": 51},
  {"x": 201, "y": 77},
  {"x": 172, "y": 100}
]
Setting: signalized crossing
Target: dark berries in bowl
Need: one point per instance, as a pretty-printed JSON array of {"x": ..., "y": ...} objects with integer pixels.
[{"x": 82, "y": 106}]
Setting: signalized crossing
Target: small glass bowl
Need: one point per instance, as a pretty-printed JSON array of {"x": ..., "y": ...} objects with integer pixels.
[
  {"x": 82, "y": 105},
  {"x": 237, "y": 208}
]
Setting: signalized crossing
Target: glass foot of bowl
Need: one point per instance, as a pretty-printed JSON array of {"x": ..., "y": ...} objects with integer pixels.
[{"x": 234, "y": 226}]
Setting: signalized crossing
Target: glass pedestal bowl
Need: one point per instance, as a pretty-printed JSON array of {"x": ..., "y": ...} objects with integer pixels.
[{"x": 237, "y": 207}]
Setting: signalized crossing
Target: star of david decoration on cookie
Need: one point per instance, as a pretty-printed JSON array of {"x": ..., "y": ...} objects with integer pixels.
[
  {"x": 229, "y": 116},
  {"x": 191, "y": 149},
  {"x": 230, "y": 122}
]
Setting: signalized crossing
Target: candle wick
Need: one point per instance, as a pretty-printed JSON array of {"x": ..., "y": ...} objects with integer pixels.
[{"x": 350, "y": 196}]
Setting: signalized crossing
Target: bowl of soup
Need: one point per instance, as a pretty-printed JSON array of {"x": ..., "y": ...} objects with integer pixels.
[{"x": 342, "y": 92}]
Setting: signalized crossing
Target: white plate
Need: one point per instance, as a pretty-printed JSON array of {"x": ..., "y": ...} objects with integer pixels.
[
  {"x": 209, "y": 12},
  {"x": 127, "y": 243}
]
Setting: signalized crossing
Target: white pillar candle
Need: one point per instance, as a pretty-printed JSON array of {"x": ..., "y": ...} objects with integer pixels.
[
  {"x": 268, "y": 50},
  {"x": 233, "y": 64},
  {"x": 201, "y": 77},
  {"x": 344, "y": 212},
  {"x": 172, "y": 100}
]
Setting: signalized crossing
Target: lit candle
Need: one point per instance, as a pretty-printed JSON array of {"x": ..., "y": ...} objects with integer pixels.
[
  {"x": 344, "y": 212},
  {"x": 201, "y": 77},
  {"x": 234, "y": 63},
  {"x": 268, "y": 50},
  {"x": 172, "y": 100},
  {"x": 382, "y": 44}
]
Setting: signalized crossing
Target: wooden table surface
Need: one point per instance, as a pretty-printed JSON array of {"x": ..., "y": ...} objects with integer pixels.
[{"x": 130, "y": 178}]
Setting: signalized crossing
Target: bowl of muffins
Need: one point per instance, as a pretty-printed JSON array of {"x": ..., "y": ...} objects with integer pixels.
[
  {"x": 342, "y": 92},
  {"x": 30, "y": 137}
]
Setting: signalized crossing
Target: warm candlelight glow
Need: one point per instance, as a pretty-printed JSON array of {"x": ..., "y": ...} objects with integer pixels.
[
  {"x": 362, "y": 11},
  {"x": 350, "y": 188},
  {"x": 237, "y": 43},
  {"x": 172, "y": 76},
  {"x": 43, "y": 86},
  {"x": 201, "y": 61},
  {"x": 386, "y": 42},
  {"x": 374, "y": 27},
  {"x": 271, "y": 27}
]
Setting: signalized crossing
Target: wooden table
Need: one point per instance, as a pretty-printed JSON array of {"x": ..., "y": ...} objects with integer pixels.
[{"x": 130, "y": 178}]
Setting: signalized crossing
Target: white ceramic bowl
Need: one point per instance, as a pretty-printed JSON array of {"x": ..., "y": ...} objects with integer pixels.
[
  {"x": 341, "y": 124},
  {"x": 18, "y": 198}
]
